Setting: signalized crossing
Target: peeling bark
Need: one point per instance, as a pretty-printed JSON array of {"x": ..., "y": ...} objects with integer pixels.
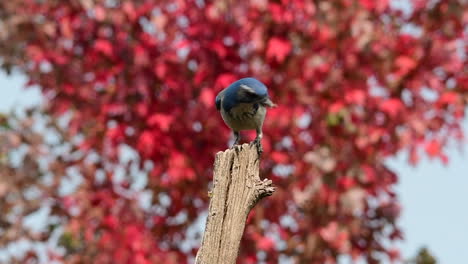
[{"x": 237, "y": 188}]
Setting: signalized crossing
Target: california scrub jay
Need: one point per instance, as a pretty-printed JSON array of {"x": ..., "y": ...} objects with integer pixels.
[{"x": 243, "y": 106}]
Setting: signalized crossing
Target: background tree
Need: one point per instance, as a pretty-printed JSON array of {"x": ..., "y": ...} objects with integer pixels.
[
  {"x": 424, "y": 256},
  {"x": 134, "y": 81}
]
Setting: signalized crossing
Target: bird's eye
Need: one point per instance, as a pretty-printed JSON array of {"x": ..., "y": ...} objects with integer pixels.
[{"x": 251, "y": 96}]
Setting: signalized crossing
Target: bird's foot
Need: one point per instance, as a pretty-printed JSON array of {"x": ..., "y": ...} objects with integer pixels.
[
  {"x": 236, "y": 140},
  {"x": 258, "y": 144},
  {"x": 236, "y": 143},
  {"x": 235, "y": 147}
]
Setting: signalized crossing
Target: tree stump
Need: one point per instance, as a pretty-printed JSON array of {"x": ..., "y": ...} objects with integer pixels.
[{"x": 237, "y": 188}]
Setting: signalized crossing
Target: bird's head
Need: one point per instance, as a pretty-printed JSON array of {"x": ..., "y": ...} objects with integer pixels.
[
  {"x": 249, "y": 90},
  {"x": 246, "y": 90}
]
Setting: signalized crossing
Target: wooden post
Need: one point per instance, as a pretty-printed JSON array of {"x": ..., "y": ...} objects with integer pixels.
[{"x": 236, "y": 190}]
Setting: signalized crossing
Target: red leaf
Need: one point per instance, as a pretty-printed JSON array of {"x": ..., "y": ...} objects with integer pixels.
[
  {"x": 394, "y": 255},
  {"x": 329, "y": 232},
  {"x": 114, "y": 109},
  {"x": 251, "y": 260},
  {"x": 106, "y": 239},
  {"x": 356, "y": 96},
  {"x": 413, "y": 156},
  {"x": 115, "y": 134},
  {"x": 368, "y": 4},
  {"x": 129, "y": 10},
  {"x": 278, "y": 49},
  {"x": 65, "y": 27},
  {"x": 177, "y": 160},
  {"x": 369, "y": 174},
  {"x": 265, "y": 244},
  {"x": 162, "y": 121},
  {"x": 104, "y": 46},
  {"x": 160, "y": 69},
  {"x": 141, "y": 57},
  {"x": 433, "y": 148},
  {"x": 404, "y": 64},
  {"x": 448, "y": 98},
  {"x": 279, "y": 157},
  {"x": 142, "y": 109},
  {"x": 346, "y": 182},
  {"x": 35, "y": 53},
  {"x": 390, "y": 210},
  {"x": 111, "y": 221},
  {"x": 224, "y": 80},
  {"x": 463, "y": 82},
  {"x": 99, "y": 13},
  {"x": 207, "y": 97},
  {"x": 178, "y": 168},
  {"x": 146, "y": 143},
  {"x": 444, "y": 158},
  {"x": 219, "y": 48},
  {"x": 68, "y": 89},
  {"x": 141, "y": 259},
  {"x": 276, "y": 11},
  {"x": 371, "y": 4},
  {"x": 335, "y": 107},
  {"x": 392, "y": 107},
  {"x": 336, "y": 238},
  {"x": 200, "y": 76}
]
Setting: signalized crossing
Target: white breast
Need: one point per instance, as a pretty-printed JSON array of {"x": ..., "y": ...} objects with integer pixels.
[{"x": 244, "y": 117}]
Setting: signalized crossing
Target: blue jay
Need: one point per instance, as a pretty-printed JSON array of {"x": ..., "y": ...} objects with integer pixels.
[{"x": 243, "y": 106}]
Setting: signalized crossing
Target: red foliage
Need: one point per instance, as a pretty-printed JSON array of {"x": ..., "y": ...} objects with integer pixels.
[{"x": 352, "y": 85}]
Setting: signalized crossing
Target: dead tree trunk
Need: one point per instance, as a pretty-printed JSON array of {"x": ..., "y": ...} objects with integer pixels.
[{"x": 236, "y": 190}]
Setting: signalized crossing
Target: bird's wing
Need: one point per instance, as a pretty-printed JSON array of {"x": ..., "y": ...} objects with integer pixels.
[
  {"x": 246, "y": 89},
  {"x": 247, "y": 94}
]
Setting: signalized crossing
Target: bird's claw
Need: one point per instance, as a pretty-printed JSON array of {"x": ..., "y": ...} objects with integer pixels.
[
  {"x": 258, "y": 144},
  {"x": 236, "y": 140},
  {"x": 234, "y": 145}
]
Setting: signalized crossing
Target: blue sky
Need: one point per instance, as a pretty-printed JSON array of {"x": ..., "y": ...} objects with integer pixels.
[
  {"x": 435, "y": 212},
  {"x": 434, "y": 197}
]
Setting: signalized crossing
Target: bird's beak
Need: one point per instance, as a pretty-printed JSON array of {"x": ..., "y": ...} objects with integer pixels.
[{"x": 269, "y": 103}]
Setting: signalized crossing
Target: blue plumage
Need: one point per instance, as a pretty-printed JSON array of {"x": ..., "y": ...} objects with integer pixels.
[{"x": 243, "y": 106}]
